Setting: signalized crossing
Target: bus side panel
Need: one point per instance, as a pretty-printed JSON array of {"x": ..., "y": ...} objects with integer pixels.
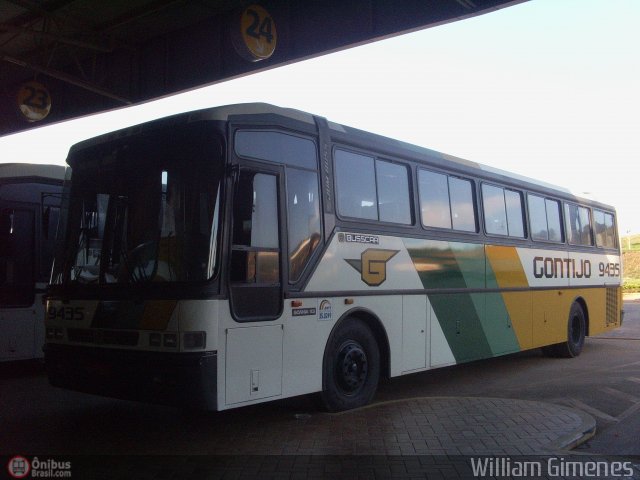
[
  {"x": 307, "y": 331},
  {"x": 439, "y": 349},
  {"x": 550, "y": 314},
  {"x": 305, "y": 336},
  {"x": 459, "y": 316},
  {"x": 22, "y": 332},
  {"x": 505, "y": 271},
  {"x": 603, "y": 307},
  {"x": 284, "y": 357},
  {"x": 520, "y": 308},
  {"x": 414, "y": 327}
]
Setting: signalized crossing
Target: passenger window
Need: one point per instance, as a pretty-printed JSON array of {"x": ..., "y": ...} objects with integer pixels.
[
  {"x": 515, "y": 223},
  {"x": 446, "y": 201},
  {"x": 538, "y": 218},
  {"x": 462, "y": 205},
  {"x": 553, "y": 220},
  {"x": 434, "y": 199},
  {"x": 544, "y": 219},
  {"x": 605, "y": 231},
  {"x": 393, "y": 192},
  {"x": 495, "y": 215},
  {"x": 372, "y": 189},
  {"x": 503, "y": 213},
  {"x": 304, "y": 219},
  {"x": 578, "y": 220},
  {"x": 356, "y": 185}
]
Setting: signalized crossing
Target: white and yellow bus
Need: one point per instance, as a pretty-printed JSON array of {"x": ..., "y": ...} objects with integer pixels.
[
  {"x": 246, "y": 253},
  {"x": 29, "y": 208}
]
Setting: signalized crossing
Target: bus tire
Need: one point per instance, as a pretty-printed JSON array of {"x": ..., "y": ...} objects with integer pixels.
[
  {"x": 351, "y": 367},
  {"x": 576, "y": 332}
]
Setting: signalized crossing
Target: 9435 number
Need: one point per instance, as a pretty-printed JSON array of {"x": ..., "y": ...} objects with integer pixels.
[
  {"x": 609, "y": 269},
  {"x": 65, "y": 313}
]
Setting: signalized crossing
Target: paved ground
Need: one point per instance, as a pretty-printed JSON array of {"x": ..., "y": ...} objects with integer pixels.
[
  {"x": 417, "y": 438},
  {"x": 425, "y": 426},
  {"x": 619, "y": 431}
]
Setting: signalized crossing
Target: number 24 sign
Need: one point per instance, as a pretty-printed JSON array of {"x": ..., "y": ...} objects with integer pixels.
[{"x": 257, "y": 36}]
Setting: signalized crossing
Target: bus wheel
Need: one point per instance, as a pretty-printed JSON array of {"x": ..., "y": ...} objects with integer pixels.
[
  {"x": 351, "y": 367},
  {"x": 576, "y": 332}
]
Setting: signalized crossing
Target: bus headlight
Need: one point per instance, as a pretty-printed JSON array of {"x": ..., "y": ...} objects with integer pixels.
[{"x": 194, "y": 340}]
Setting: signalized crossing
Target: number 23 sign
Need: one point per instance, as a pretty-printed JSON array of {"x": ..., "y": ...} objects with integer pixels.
[
  {"x": 34, "y": 101},
  {"x": 255, "y": 36}
]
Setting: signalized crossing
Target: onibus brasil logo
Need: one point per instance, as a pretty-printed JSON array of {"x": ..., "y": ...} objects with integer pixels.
[
  {"x": 21, "y": 467},
  {"x": 372, "y": 265},
  {"x": 18, "y": 467}
]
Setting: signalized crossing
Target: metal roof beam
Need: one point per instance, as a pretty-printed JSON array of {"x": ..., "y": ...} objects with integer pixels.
[
  {"x": 65, "y": 78},
  {"x": 56, "y": 38}
]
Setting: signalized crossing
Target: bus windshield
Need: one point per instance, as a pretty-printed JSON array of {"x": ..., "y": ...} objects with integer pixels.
[{"x": 144, "y": 210}]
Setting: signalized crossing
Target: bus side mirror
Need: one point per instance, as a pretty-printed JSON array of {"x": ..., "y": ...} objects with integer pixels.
[
  {"x": 6, "y": 232},
  {"x": 46, "y": 215},
  {"x": 6, "y": 223}
]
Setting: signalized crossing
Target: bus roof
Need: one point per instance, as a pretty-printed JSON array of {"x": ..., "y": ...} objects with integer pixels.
[
  {"x": 226, "y": 112},
  {"x": 28, "y": 171}
]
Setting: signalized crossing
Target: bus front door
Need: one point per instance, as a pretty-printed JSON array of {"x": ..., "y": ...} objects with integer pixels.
[
  {"x": 253, "y": 358},
  {"x": 255, "y": 273}
]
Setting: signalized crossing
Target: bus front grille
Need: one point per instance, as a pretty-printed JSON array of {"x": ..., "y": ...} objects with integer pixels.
[{"x": 103, "y": 337}]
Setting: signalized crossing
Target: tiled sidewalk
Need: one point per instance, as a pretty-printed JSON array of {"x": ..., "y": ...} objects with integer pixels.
[
  {"x": 433, "y": 438},
  {"x": 423, "y": 426}
]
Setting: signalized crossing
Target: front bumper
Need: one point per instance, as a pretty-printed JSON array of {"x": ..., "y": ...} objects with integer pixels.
[{"x": 180, "y": 379}]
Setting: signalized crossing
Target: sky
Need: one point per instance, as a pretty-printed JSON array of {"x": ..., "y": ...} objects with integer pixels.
[{"x": 549, "y": 89}]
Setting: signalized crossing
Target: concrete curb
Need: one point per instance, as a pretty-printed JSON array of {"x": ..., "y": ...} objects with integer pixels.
[{"x": 582, "y": 434}]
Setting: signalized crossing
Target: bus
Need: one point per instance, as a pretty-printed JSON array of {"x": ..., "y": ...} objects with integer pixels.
[
  {"x": 246, "y": 253},
  {"x": 29, "y": 210}
]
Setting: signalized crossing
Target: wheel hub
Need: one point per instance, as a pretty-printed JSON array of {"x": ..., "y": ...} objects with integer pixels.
[
  {"x": 576, "y": 329},
  {"x": 352, "y": 367}
]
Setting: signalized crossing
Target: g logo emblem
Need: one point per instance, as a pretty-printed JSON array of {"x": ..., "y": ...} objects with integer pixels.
[{"x": 373, "y": 265}]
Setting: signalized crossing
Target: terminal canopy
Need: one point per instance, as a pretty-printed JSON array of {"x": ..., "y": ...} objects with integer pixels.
[{"x": 66, "y": 58}]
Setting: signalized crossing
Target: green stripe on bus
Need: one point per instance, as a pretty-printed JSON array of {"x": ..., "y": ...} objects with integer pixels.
[
  {"x": 475, "y": 325},
  {"x": 436, "y": 263},
  {"x": 497, "y": 325},
  {"x": 443, "y": 264},
  {"x": 461, "y": 324},
  {"x": 497, "y": 322}
]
